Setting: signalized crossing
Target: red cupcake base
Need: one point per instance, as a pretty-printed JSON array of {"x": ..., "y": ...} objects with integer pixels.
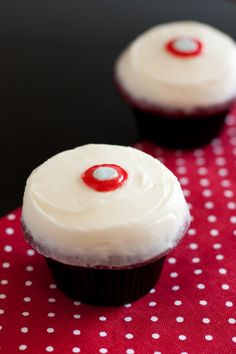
[{"x": 106, "y": 286}]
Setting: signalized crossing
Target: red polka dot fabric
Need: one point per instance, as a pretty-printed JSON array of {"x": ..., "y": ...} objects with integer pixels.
[{"x": 190, "y": 311}]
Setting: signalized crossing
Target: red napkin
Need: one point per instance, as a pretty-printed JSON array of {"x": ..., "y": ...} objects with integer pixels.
[{"x": 192, "y": 308}]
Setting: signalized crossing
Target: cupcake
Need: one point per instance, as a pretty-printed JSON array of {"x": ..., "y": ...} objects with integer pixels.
[
  {"x": 104, "y": 217},
  {"x": 180, "y": 80}
]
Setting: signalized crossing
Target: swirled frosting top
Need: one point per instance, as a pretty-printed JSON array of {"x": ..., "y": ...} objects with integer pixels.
[
  {"x": 70, "y": 221},
  {"x": 180, "y": 65}
]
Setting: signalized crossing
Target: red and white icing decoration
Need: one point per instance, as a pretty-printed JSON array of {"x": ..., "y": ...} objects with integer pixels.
[
  {"x": 184, "y": 47},
  {"x": 105, "y": 177}
]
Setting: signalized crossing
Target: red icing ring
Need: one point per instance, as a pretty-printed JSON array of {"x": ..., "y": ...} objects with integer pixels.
[
  {"x": 95, "y": 177},
  {"x": 184, "y": 47}
]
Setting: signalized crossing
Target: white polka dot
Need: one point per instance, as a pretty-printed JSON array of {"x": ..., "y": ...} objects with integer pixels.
[
  {"x": 27, "y": 299},
  {"x": 181, "y": 170},
  {"x": 214, "y": 232},
  {"x": 77, "y": 303},
  {"x": 228, "y": 193},
  {"x": 231, "y": 205},
  {"x": 203, "y": 302},
  {"x": 129, "y": 335},
  {"x": 51, "y": 299},
  {"x": 207, "y": 193},
  {"x": 22, "y": 347},
  {"x": 9, "y": 231},
  {"x": 234, "y": 339},
  {"x": 202, "y": 171},
  {"x": 52, "y": 286},
  {"x": 229, "y": 304},
  {"x": 1, "y": 311},
  {"x": 4, "y": 282},
  {"x": 200, "y": 161},
  {"x": 154, "y": 318},
  {"x": 6, "y": 265},
  {"x": 212, "y": 218},
  {"x": 152, "y": 303},
  {"x": 222, "y": 271},
  {"x": 196, "y": 260},
  {"x": 200, "y": 286},
  {"x": 209, "y": 205},
  {"x": 102, "y": 318},
  {"x": 174, "y": 275},
  {"x": 216, "y": 142},
  {"x": 179, "y": 319},
  {"x": 182, "y": 337},
  {"x": 198, "y": 152},
  {"x": 152, "y": 291},
  {"x": 232, "y": 320},
  {"x": 193, "y": 246},
  {"x": 217, "y": 246},
  {"x": 29, "y": 268},
  {"x": 219, "y": 257},
  {"x": 223, "y": 172},
  {"x": 186, "y": 192},
  {"x": 230, "y": 119},
  {"x": 175, "y": 287},
  {"x": 208, "y": 337},
  {"x": 225, "y": 183},
  {"x": 28, "y": 283},
  {"x": 102, "y": 334},
  {"x": 225, "y": 286},
  {"x": 8, "y": 248},
  {"x": 24, "y": 330},
  {"x": 30, "y": 252},
  {"x": 49, "y": 349},
  {"x": 130, "y": 351},
  {"x": 25, "y": 313},
  {"x": 204, "y": 182},
  {"x": 76, "y": 315},
  {"x": 103, "y": 350},
  {"x": 178, "y": 302},
  {"x": 127, "y": 305},
  {"x": 50, "y": 330},
  {"x": 76, "y": 332},
  {"x": 206, "y": 320},
  {"x": 155, "y": 335},
  {"x": 11, "y": 217},
  {"x": 192, "y": 232},
  {"x": 218, "y": 150},
  {"x": 171, "y": 260},
  {"x": 51, "y": 314},
  {"x": 128, "y": 319},
  {"x": 233, "y": 219},
  {"x": 76, "y": 350},
  {"x": 233, "y": 141},
  {"x": 180, "y": 161},
  {"x": 3, "y": 296},
  {"x": 184, "y": 181},
  {"x": 197, "y": 271},
  {"x": 234, "y": 232}
]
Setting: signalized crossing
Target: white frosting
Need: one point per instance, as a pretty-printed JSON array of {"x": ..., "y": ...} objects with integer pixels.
[
  {"x": 148, "y": 72},
  {"x": 75, "y": 224}
]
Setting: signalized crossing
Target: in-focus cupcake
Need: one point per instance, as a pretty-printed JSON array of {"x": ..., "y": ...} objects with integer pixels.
[
  {"x": 180, "y": 79},
  {"x": 104, "y": 217}
]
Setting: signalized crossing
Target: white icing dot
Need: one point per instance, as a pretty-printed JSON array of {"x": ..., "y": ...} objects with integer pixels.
[
  {"x": 212, "y": 218},
  {"x": 217, "y": 246},
  {"x": 218, "y": 150},
  {"x": 9, "y": 231},
  {"x": 204, "y": 182},
  {"x": 77, "y": 316},
  {"x": 11, "y": 217},
  {"x": 172, "y": 260},
  {"x": 129, "y": 335},
  {"x": 24, "y": 329},
  {"x": 232, "y": 320},
  {"x": 1, "y": 311},
  {"x": 51, "y": 314},
  {"x": 152, "y": 291},
  {"x": 209, "y": 205},
  {"x": 127, "y": 305},
  {"x": 6, "y": 265},
  {"x": 182, "y": 337},
  {"x": 206, "y": 320},
  {"x": 214, "y": 232},
  {"x": 102, "y": 334},
  {"x": 216, "y": 142},
  {"x": 128, "y": 319},
  {"x": 178, "y": 302},
  {"x": 233, "y": 219},
  {"x": 203, "y": 302},
  {"x": 197, "y": 271},
  {"x": 229, "y": 304},
  {"x": 174, "y": 275},
  {"x": 185, "y": 45},
  {"x": 184, "y": 181},
  {"x": 222, "y": 271},
  {"x": 28, "y": 283},
  {"x": 208, "y": 337},
  {"x": 175, "y": 287},
  {"x": 76, "y": 332},
  {"x": 29, "y": 268},
  {"x": 102, "y": 318},
  {"x": 179, "y": 319},
  {"x": 25, "y": 313},
  {"x": 27, "y": 299},
  {"x": 105, "y": 173},
  {"x": 223, "y": 172},
  {"x": 3, "y": 296},
  {"x": 4, "y": 282},
  {"x": 192, "y": 232},
  {"x": 103, "y": 350},
  {"x": 200, "y": 161},
  {"x": 181, "y": 170},
  {"x": 198, "y": 152},
  {"x": 76, "y": 350},
  {"x": 154, "y": 318},
  {"x": 225, "y": 286},
  {"x": 234, "y": 339},
  {"x": 233, "y": 141},
  {"x": 231, "y": 205},
  {"x": 152, "y": 303},
  {"x": 50, "y": 330},
  {"x": 228, "y": 193},
  {"x": 30, "y": 252},
  {"x": 196, "y": 260},
  {"x": 220, "y": 161},
  {"x": 8, "y": 248},
  {"x": 49, "y": 349},
  {"x": 155, "y": 335},
  {"x": 219, "y": 257},
  {"x": 207, "y": 193},
  {"x": 130, "y": 351},
  {"x": 52, "y": 286},
  {"x": 202, "y": 171},
  {"x": 76, "y": 303},
  {"x": 193, "y": 246},
  {"x": 22, "y": 347},
  {"x": 180, "y": 161},
  {"x": 200, "y": 286},
  {"x": 51, "y": 299}
]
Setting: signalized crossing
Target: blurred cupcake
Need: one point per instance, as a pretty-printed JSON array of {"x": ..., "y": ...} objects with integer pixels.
[
  {"x": 180, "y": 79},
  {"x": 104, "y": 217}
]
